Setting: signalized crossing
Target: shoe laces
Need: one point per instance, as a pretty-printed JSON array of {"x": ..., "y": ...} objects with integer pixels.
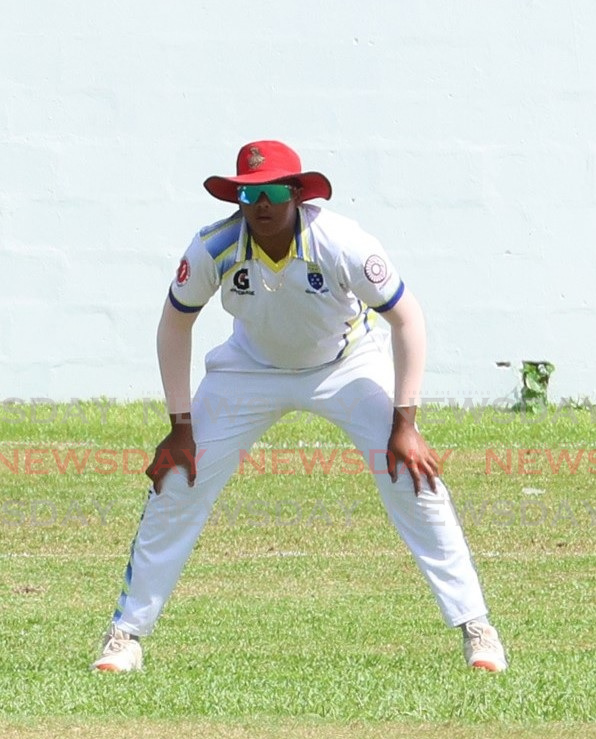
[
  {"x": 481, "y": 636},
  {"x": 116, "y": 642}
]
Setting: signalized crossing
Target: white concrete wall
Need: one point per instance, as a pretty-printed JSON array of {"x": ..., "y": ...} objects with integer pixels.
[{"x": 461, "y": 132}]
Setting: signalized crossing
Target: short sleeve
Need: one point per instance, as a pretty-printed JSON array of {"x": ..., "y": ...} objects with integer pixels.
[
  {"x": 367, "y": 271},
  {"x": 196, "y": 279}
]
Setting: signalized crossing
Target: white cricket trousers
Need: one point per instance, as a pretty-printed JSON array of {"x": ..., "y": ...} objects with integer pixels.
[{"x": 237, "y": 401}]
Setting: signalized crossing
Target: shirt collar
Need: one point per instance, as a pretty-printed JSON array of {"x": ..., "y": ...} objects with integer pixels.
[{"x": 302, "y": 240}]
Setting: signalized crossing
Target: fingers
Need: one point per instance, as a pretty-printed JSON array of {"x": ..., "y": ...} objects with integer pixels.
[
  {"x": 414, "y": 474},
  {"x": 157, "y": 484},
  {"x": 391, "y": 466},
  {"x": 191, "y": 465},
  {"x": 417, "y": 465},
  {"x": 425, "y": 466},
  {"x": 156, "y": 477},
  {"x": 165, "y": 459}
]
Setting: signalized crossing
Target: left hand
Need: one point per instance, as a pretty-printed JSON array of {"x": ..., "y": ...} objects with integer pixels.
[{"x": 407, "y": 447}]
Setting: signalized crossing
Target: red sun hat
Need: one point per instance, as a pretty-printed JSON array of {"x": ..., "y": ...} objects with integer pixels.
[{"x": 263, "y": 162}]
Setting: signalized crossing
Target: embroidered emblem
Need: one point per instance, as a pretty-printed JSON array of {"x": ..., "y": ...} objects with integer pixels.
[
  {"x": 183, "y": 272},
  {"x": 256, "y": 158},
  {"x": 315, "y": 278},
  {"x": 375, "y": 269}
]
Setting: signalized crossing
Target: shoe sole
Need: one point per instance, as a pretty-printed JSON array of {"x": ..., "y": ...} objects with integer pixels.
[
  {"x": 106, "y": 668},
  {"x": 487, "y": 666}
]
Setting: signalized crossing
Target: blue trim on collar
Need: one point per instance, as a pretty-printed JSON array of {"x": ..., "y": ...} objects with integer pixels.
[{"x": 298, "y": 237}]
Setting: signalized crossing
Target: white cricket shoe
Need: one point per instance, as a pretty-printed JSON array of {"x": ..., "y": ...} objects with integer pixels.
[
  {"x": 482, "y": 647},
  {"x": 120, "y": 653}
]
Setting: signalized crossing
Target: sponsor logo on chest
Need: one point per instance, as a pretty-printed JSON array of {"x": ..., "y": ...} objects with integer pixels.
[{"x": 241, "y": 283}]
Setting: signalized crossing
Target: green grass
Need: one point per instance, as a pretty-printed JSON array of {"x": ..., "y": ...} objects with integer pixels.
[{"x": 302, "y": 614}]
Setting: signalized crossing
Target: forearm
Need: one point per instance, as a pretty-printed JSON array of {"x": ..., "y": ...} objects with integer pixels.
[
  {"x": 174, "y": 347},
  {"x": 409, "y": 355},
  {"x": 405, "y": 444},
  {"x": 408, "y": 338}
]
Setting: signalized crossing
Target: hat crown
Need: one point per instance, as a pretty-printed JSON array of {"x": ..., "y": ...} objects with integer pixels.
[{"x": 267, "y": 156}]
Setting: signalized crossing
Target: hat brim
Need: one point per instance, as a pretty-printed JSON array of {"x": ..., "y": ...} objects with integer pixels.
[{"x": 314, "y": 184}]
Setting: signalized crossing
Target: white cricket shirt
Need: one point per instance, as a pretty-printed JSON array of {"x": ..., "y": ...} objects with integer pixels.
[{"x": 310, "y": 313}]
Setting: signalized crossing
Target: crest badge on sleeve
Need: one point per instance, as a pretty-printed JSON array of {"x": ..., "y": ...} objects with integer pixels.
[
  {"x": 375, "y": 269},
  {"x": 183, "y": 272}
]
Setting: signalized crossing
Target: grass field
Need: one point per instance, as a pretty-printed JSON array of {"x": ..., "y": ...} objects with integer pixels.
[{"x": 300, "y": 613}]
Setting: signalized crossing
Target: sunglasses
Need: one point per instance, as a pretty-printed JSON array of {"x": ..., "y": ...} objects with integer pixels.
[{"x": 275, "y": 194}]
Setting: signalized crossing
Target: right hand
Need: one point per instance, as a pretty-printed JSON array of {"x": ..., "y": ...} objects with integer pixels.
[{"x": 178, "y": 449}]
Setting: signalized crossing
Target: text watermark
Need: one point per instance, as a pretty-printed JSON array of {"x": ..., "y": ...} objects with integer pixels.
[
  {"x": 258, "y": 512},
  {"x": 300, "y": 460}
]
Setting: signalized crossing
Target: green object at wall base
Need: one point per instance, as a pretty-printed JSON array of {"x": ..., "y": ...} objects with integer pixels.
[{"x": 535, "y": 378}]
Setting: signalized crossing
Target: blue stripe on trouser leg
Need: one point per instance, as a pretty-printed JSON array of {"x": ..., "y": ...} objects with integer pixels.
[
  {"x": 128, "y": 570},
  {"x": 171, "y": 524},
  {"x": 235, "y": 417}
]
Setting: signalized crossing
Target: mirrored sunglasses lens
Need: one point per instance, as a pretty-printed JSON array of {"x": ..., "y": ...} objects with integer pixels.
[
  {"x": 245, "y": 196},
  {"x": 279, "y": 193},
  {"x": 276, "y": 194}
]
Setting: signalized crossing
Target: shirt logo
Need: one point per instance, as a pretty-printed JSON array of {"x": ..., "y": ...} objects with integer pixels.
[
  {"x": 315, "y": 279},
  {"x": 183, "y": 272},
  {"x": 241, "y": 283},
  {"x": 375, "y": 269}
]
